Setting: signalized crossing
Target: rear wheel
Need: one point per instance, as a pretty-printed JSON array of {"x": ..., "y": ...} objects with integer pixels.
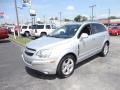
[
  {"x": 66, "y": 66},
  {"x": 43, "y": 34},
  {"x": 105, "y": 50},
  {"x": 27, "y": 34}
]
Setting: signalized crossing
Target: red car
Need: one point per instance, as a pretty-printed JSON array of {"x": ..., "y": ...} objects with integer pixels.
[
  {"x": 114, "y": 31},
  {"x": 3, "y": 33}
]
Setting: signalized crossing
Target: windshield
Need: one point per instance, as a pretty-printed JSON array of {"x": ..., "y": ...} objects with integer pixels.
[{"x": 67, "y": 31}]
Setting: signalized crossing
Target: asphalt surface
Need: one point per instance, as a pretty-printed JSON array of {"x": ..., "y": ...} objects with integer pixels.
[{"x": 96, "y": 73}]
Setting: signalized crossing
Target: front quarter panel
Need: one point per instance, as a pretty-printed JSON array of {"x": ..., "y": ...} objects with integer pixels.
[{"x": 60, "y": 51}]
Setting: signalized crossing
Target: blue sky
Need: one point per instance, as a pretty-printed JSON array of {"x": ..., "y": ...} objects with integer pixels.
[{"x": 51, "y": 8}]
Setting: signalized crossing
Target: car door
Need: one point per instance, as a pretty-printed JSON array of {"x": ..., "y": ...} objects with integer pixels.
[
  {"x": 98, "y": 31},
  {"x": 86, "y": 45}
]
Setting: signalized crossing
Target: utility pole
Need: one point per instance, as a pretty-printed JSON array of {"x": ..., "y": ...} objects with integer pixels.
[
  {"x": 109, "y": 17},
  {"x": 60, "y": 17},
  {"x": 92, "y": 7},
  {"x": 17, "y": 19},
  {"x": 44, "y": 18}
]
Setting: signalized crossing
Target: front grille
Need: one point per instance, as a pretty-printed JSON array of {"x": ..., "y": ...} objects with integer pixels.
[{"x": 29, "y": 51}]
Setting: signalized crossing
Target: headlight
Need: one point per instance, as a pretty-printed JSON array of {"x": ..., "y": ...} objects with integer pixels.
[{"x": 44, "y": 53}]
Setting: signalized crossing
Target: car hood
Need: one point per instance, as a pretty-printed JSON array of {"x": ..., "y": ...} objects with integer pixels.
[{"x": 45, "y": 42}]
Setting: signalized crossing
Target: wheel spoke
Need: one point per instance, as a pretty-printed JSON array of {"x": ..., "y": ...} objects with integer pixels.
[{"x": 67, "y": 66}]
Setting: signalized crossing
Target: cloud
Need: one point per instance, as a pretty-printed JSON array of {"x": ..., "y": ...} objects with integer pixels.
[{"x": 70, "y": 8}]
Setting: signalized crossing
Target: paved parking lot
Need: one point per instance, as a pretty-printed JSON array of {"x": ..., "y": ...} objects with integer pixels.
[{"x": 96, "y": 73}]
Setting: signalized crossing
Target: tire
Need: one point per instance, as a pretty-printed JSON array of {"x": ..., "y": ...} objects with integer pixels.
[
  {"x": 105, "y": 50},
  {"x": 66, "y": 66},
  {"x": 43, "y": 34},
  {"x": 27, "y": 34}
]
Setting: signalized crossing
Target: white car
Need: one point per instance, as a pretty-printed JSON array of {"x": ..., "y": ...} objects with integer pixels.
[
  {"x": 42, "y": 29},
  {"x": 59, "y": 52},
  {"x": 25, "y": 30}
]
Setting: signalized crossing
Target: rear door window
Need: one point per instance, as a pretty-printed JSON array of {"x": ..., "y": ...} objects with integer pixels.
[
  {"x": 40, "y": 26},
  {"x": 96, "y": 28}
]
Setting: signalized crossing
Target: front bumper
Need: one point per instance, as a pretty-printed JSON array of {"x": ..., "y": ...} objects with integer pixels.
[{"x": 48, "y": 66}]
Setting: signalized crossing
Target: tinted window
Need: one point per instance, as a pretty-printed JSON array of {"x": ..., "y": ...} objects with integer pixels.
[
  {"x": 24, "y": 27},
  {"x": 40, "y": 26},
  {"x": 98, "y": 28},
  {"x": 47, "y": 26}
]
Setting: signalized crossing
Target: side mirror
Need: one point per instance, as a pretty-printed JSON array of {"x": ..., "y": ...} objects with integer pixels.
[{"x": 84, "y": 35}]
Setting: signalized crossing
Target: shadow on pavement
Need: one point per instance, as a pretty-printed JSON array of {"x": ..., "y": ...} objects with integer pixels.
[
  {"x": 86, "y": 61},
  {"x": 39, "y": 75},
  {"x": 4, "y": 41}
]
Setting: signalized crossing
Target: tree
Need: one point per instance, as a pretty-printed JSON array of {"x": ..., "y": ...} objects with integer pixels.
[
  {"x": 56, "y": 18},
  {"x": 66, "y": 20},
  {"x": 51, "y": 18},
  {"x": 80, "y": 18},
  {"x": 112, "y": 17}
]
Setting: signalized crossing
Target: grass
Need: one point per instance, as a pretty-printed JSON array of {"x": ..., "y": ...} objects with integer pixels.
[{"x": 20, "y": 40}]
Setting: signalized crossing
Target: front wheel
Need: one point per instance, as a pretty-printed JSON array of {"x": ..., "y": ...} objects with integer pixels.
[
  {"x": 105, "y": 50},
  {"x": 66, "y": 66}
]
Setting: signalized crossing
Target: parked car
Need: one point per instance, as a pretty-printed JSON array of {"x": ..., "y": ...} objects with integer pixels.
[
  {"x": 3, "y": 33},
  {"x": 25, "y": 30},
  {"x": 41, "y": 29},
  {"x": 60, "y": 51},
  {"x": 114, "y": 31},
  {"x": 10, "y": 29}
]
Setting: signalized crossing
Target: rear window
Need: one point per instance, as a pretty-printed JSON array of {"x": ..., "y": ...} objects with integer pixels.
[
  {"x": 24, "y": 27},
  {"x": 40, "y": 26}
]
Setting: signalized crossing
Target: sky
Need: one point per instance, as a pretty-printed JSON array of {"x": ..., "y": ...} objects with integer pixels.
[{"x": 51, "y": 8}]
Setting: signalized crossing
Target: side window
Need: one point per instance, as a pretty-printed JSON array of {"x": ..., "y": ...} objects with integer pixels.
[
  {"x": 40, "y": 26},
  {"x": 30, "y": 27},
  {"x": 85, "y": 29},
  {"x": 48, "y": 27},
  {"x": 96, "y": 28}
]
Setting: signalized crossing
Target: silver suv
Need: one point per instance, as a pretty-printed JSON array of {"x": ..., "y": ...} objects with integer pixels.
[{"x": 60, "y": 51}]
